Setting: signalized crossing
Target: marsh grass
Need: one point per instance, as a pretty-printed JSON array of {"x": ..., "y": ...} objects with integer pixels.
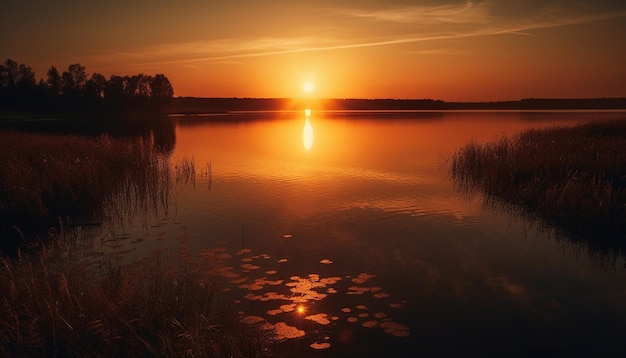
[
  {"x": 57, "y": 300},
  {"x": 185, "y": 170},
  {"x": 572, "y": 178},
  {"x": 164, "y": 305},
  {"x": 50, "y": 178}
]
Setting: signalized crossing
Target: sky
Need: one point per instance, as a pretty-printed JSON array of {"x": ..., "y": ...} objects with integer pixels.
[{"x": 453, "y": 50}]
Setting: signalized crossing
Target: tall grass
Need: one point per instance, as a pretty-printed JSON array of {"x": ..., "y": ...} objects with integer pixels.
[
  {"x": 573, "y": 178},
  {"x": 58, "y": 303},
  {"x": 45, "y": 178},
  {"x": 53, "y": 307}
]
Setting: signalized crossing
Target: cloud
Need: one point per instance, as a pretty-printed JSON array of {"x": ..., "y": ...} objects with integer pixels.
[
  {"x": 440, "y": 51},
  {"x": 469, "y": 12},
  {"x": 419, "y": 24}
]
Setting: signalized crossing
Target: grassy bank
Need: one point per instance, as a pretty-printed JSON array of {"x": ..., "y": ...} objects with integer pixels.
[
  {"x": 52, "y": 306},
  {"x": 573, "y": 178},
  {"x": 46, "y": 179}
]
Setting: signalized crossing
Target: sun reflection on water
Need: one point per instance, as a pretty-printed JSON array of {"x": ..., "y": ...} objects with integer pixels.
[{"x": 308, "y": 131}]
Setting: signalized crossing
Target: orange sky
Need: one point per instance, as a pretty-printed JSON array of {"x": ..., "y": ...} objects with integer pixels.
[{"x": 449, "y": 50}]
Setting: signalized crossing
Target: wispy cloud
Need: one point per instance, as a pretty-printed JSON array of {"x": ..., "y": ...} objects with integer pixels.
[
  {"x": 440, "y": 51},
  {"x": 470, "y": 20},
  {"x": 470, "y": 12}
]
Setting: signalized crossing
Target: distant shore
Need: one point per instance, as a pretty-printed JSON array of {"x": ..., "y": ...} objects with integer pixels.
[
  {"x": 195, "y": 105},
  {"x": 219, "y": 106}
]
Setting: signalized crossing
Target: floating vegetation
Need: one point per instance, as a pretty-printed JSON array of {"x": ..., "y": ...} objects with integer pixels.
[
  {"x": 362, "y": 278},
  {"x": 396, "y": 329},
  {"x": 250, "y": 267},
  {"x": 284, "y": 331},
  {"x": 316, "y": 345},
  {"x": 287, "y": 301},
  {"x": 354, "y": 290},
  {"x": 321, "y": 318},
  {"x": 253, "y": 319}
]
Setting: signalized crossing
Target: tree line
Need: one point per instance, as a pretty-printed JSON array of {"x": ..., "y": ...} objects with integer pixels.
[{"x": 75, "y": 89}]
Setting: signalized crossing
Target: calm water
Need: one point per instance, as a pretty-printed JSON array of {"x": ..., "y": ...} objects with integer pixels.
[{"x": 365, "y": 231}]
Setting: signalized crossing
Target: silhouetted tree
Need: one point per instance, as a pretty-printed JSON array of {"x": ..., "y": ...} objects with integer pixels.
[
  {"x": 95, "y": 90},
  {"x": 74, "y": 81},
  {"x": 162, "y": 90},
  {"x": 144, "y": 86},
  {"x": 114, "y": 92},
  {"x": 54, "y": 82},
  {"x": 73, "y": 89},
  {"x": 17, "y": 84}
]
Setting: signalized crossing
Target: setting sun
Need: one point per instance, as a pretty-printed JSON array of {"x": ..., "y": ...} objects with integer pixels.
[{"x": 308, "y": 87}]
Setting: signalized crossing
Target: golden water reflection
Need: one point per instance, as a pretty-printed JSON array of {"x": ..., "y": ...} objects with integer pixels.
[{"x": 308, "y": 131}]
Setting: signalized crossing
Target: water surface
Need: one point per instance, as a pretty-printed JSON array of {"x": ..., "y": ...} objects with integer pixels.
[{"x": 365, "y": 231}]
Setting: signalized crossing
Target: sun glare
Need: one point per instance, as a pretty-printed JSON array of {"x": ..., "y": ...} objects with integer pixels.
[{"x": 308, "y": 87}]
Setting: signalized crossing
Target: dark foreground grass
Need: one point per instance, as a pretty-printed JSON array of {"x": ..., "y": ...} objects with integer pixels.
[
  {"x": 572, "y": 178},
  {"x": 52, "y": 306},
  {"x": 56, "y": 302},
  {"x": 48, "y": 178}
]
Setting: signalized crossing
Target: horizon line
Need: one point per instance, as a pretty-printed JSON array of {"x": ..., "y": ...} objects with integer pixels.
[{"x": 405, "y": 99}]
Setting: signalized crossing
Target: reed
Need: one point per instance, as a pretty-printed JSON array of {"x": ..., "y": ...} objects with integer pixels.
[
  {"x": 54, "y": 307},
  {"x": 45, "y": 178},
  {"x": 185, "y": 170},
  {"x": 573, "y": 178}
]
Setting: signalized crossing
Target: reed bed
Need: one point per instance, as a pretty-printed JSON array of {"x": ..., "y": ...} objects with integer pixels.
[
  {"x": 47, "y": 178},
  {"x": 161, "y": 306},
  {"x": 573, "y": 178},
  {"x": 57, "y": 301}
]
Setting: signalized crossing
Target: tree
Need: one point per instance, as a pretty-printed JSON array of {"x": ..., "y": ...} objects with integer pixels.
[
  {"x": 18, "y": 86},
  {"x": 114, "y": 92},
  {"x": 73, "y": 89},
  {"x": 74, "y": 80},
  {"x": 54, "y": 82},
  {"x": 144, "y": 87},
  {"x": 162, "y": 90},
  {"x": 8, "y": 74},
  {"x": 95, "y": 90}
]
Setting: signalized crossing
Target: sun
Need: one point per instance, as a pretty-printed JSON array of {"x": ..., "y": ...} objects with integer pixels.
[{"x": 308, "y": 87}]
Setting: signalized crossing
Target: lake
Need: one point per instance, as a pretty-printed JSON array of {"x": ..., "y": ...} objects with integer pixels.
[{"x": 352, "y": 218}]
